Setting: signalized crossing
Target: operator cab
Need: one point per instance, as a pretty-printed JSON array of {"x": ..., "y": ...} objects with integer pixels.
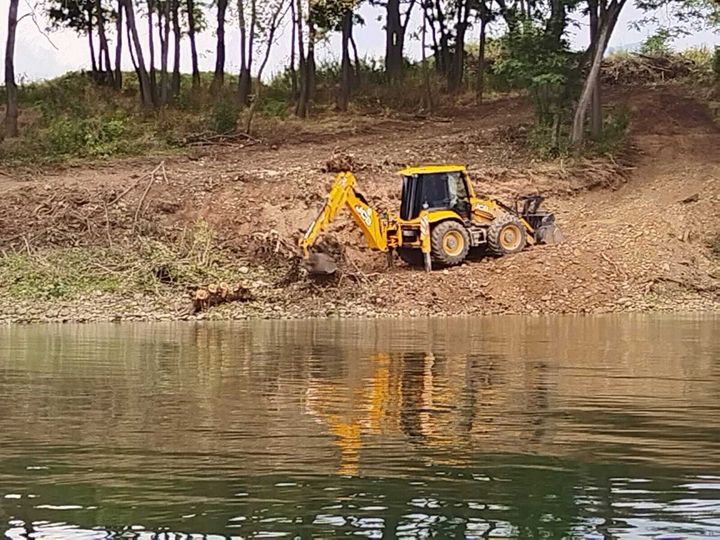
[{"x": 435, "y": 188}]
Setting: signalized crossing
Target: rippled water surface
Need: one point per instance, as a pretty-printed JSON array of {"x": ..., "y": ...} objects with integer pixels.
[{"x": 604, "y": 427}]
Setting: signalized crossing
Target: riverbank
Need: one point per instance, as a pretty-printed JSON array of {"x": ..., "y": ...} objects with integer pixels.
[{"x": 131, "y": 239}]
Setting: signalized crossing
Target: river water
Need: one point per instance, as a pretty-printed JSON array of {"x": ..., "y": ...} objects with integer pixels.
[{"x": 588, "y": 427}]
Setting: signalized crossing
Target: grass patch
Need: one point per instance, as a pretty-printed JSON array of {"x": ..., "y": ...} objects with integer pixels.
[{"x": 148, "y": 267}]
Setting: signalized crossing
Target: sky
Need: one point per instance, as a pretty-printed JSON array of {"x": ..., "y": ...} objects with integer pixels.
[{"x": 43, "y": 55}]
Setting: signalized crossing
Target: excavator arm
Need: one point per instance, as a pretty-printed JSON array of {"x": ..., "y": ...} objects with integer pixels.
[{"x": 342, "y": 194}]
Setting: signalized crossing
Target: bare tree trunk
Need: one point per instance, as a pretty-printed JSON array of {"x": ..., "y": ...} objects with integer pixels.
[
  {"x": 91, "y": 44},
  {"x": 480, "y": 90},
  {"x": 193, "y": 47},
  {"x": 428, "y": 99},
  {"x": 346, "y": 66},
  {"x": 219, "y": 76},
  {"x": 145, "y": 89},
  {"x": 456, "y": 72},
  {"x": 104, "y": 48},
  {"x": 247, "y": 46},
  {"x": 356, "y": 56},
  {"x": 176, "y": 48},
  {"x": 596, "y": 119},
  {"x": 11, "y": 111},
  {"x": 393, "y": 39},
  {"x": 164, "y": 35},
  {"x": 606, "y": 24},
  {"x": 301, "y": 108},
  {"x": 310, "y": 59},
  {"x": 293, "y": 45},
  {"x": 151, "y": 52},
  {"x": 118, "y": 46}
]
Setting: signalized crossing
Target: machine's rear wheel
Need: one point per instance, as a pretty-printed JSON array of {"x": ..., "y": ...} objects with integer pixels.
[
  {"x": 411, "y": 256},
  {"x": 506, "y": 235},
  {"x": 450, "y": 243}
]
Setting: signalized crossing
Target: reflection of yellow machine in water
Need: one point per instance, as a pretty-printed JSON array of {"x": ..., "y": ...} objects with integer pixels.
[{"x": 400, "y": 396}]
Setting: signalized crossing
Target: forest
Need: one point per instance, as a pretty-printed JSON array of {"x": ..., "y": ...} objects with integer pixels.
[{"x": 470, "y": 49}]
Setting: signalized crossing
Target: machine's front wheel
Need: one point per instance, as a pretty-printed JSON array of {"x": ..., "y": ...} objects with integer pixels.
[
  {"x": 450, "y": 243},
  {"x": 506, "y": 235}
]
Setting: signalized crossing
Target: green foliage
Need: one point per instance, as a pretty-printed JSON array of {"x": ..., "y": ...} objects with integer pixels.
[
  {"x": 658, "y": 43},
  {"x": 93, "y": 137},
  {"x": 224, "y": 115},
  {"x": 546, "y": 68},
  {"x": 148, "y": 266},
  {"x": 716, "y": 63},
  {"x": 61, "y": 273},
  {"x": 274, "y": 108}
]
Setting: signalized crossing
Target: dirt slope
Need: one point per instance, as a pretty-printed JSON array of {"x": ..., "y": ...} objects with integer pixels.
[{"x": 631, "y": 243}]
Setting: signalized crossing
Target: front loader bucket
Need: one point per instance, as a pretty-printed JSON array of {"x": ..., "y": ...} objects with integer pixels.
[
  {"x": 549, "y": 234},
  {"x": 320, "y": 264}
]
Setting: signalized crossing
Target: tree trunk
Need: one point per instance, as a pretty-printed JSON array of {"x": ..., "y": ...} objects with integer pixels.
[
  {"x": 596, "y": 119},
  {"x": 118, "y": 46},
  {"x": 293, "y": 45},
  {"x": 145, "y": 87},
  {"x": 356, "y": 56},
  {"x": 606, "y": 24},
  {"x": 346, "y": 66},
  {"x": 393, "y": 39},
  {"x": 456, "y": 72},
  {"x": 176, "y": 50},
  {"x": 428, "y": 99},
  {"x": 151, "y": 43},
  {"x": 93, "y": 62},
  {"x": 480, "y": 90},
  {"x": 310, "y": 59},
  {"x": 193, "y": 47},
  {"x": 164, "y": 34},
  {"x": 443, "y": 63},
  {"x": 301, "y": 108},
  {"x": 11, "y": 111},
  {"x": 104, "y": 48},
  {"x": 247, "y": 47},
  {"x": 244, "y": 78},
  {"x": 219, "y": 76}
]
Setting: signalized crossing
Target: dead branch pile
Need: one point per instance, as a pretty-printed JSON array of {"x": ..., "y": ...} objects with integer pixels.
[
  {"x": 341, "y": 163},
  {"x": 645, "y": 69},
  {"x": 233, "y": 138},
  {"x": 82, "y": 215},
  {"x": 553, "y": 178}
]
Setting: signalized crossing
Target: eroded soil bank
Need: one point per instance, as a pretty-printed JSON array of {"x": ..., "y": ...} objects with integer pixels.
[{"x": 638, "y": 230}]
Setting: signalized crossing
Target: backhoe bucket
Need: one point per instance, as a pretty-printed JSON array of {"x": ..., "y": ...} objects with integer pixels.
[{"x": 320, "y": 264}]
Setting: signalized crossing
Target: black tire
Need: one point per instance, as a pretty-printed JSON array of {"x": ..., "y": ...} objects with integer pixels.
[
  {"x": 411, "y": 256},
  {"x": 449, "y": 243},
  {"x": 506, "y": 235}
]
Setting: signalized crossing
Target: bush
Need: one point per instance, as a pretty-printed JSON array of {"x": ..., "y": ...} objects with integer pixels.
[
  {"x": 224, "y": 115},
  {"x": 716, "y": 63},
  {"x": 92, "y": 137}
]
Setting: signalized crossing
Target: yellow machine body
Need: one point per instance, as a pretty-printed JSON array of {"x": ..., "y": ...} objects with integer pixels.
[{"x": 440, "y": 219}]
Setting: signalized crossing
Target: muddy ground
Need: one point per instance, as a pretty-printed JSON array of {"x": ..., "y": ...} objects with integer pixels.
[{"x": 637, "y": 226}]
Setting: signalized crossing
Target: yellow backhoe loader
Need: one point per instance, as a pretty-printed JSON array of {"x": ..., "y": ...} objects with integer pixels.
[{"x": 440, "y": 219}]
